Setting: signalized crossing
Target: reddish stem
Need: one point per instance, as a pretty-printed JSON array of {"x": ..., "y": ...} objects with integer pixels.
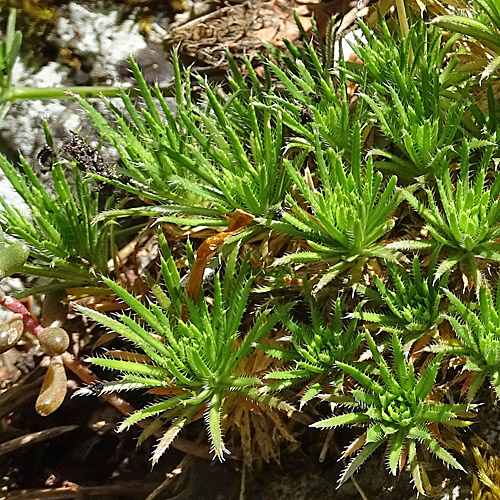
[{"x": 12, "y": 304}]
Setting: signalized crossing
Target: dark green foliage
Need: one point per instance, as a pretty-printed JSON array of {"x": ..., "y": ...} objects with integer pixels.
[
  {"x": 316, "y": 350},
  {"x": 412, "y": 302},
  {"x": 395, "y": 407}
]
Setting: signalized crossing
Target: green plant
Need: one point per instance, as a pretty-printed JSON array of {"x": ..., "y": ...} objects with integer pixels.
[
  {"x": 348, "y": 213},
  {"x": 425, "y": 138},
  {"x": 316, "y": 349},
  {"x": 202, "y": 163},
  {"x": 298, "y": 154},
  {"x": 466, "y": 228},
  {"x": 10, "y": 93},
  {"x": 415, "y": 101},
  {"x": 395, "y": 406},
  {"x": 65, "y": 244},
  {"x": 483, "y": 26},
  {"x": 308, "y": 89},
  {"x": 478, "y": 329},
  {"x": 413, "y": 302},
  {"x": 399, "y": 61},
  {"x": 12, "y": 257},
  {"x": 196, "y": 358}
]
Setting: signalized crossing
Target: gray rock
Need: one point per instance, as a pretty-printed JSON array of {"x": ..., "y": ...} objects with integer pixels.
[{"x": 99, "y": 38}]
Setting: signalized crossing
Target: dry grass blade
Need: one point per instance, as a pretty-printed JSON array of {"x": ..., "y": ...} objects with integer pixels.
[
  {"x": 35, "y": 437},
  {"x": 236, "y": 222},
  {"x": 170, "y": 476}
]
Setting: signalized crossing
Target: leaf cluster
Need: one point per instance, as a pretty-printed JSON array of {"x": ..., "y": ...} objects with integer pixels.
[
  {"x": 332, "y": 183},
  {"x": 478, "y": 329},
  {"x": 396, "y": 408},
  {"x": 196, "y": 358},
  {"x": 467, "y": 225},
  {"x": 65, "y": 243},
  {"x": 316, "y": 348},
  {"x": 349, "y": 211},
  {"x": 413, "y": 302}
]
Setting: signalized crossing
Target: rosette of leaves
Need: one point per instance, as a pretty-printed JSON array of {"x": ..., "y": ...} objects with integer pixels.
[
  {"x": 65, "y": 243},
  {"x": 316, "y": 349},
  {"x": 214, "y": 156},
  {"x": 478, "y": 330},
  {"x": 466, "y": 228},
  {"x": 416, "y": 106},
  {"x": 307, "y": 90},
  {"x": 391, "y": 59},
  {"x": 195, "y": 360},
  {"x": 412, "y": 302},
  {"x": 347, "y": 214},
  {"x": 395, "y": 406}
]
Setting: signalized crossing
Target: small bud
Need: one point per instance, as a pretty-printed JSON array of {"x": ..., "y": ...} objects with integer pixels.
[
  {"x": 10, "y": 333},
  {"x": 54, "y": 388},
  {"x": 12, "y": 258},
  {"x": 53, "y": 340}
]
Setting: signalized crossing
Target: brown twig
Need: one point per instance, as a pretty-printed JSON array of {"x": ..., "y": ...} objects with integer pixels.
[
  {"x": 126, "y": 488},
  {"x": 184, "y": 463},
  {"x": 35, "y": 437}
]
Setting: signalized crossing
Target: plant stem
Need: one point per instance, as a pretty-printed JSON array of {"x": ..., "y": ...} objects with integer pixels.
[
  {"x": 13, "y": 305},
  {"x": 31, "y": 93}
]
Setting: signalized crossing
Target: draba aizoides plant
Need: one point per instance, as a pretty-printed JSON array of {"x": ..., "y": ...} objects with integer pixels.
[
  {"x": 395, "y": 406},
  {"x": 412, "y": 302},
  {"x": 349, "y": 212},
  {"x": 204, "y": 163},
  {"x": 317, "y": 347},
  {"x": 336, "y": 197},
  {"x": 466, "y": 228},
  {"x": 483, "y": 26},
  {"x": 418, "y": 107},
  {"x": 478, "y": 329},
  {"x": 196, "y": 358},
  {"x": 65, "y": 243},
  {"x": 310, "y": 97}
]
